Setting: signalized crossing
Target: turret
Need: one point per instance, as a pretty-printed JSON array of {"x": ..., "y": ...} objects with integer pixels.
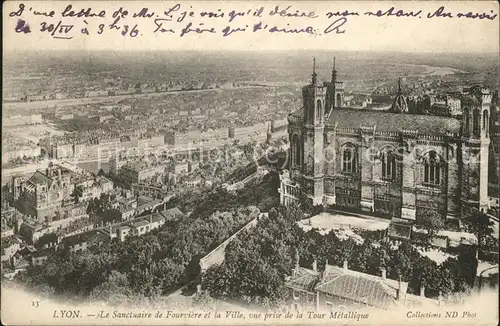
[
  {"x": 269, "y": 134},
  {"x": 313, "y": 143},
  {"x": 475, "y": 148},
  {"x": 476, "y": 113},
  {"x": 314, "y": 101},
  {"x": 334, "y": 93}
]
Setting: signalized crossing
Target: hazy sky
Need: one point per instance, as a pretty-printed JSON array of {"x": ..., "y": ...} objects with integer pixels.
[{"x": 412, "y": 34}]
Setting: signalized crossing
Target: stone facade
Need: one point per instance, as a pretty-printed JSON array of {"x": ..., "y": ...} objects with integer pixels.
[
  {"x": 45, "y": 193},
  {"x": 386, "y": 163}
]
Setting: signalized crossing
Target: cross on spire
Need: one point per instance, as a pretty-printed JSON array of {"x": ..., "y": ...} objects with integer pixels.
[{"x": 314, "y": 75}]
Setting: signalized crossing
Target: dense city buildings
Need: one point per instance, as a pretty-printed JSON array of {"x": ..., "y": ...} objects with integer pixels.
[
  {"x": 46, "y": 192},
  {"x": 207, "y": 181},
  {"x": 136, "y": 172}
]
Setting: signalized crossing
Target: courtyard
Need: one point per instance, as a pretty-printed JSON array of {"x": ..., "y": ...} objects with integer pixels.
[{"x": 335, "y": 221}]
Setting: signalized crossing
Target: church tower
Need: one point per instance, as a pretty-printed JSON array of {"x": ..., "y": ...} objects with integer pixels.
[
  {"x": 400, "y": 104},
  {"x": 313, "y": 128},
  {"x": 334, "y": 92},
  {"x": 269, "y": 133},
  {"x": 475, "y": 148}
]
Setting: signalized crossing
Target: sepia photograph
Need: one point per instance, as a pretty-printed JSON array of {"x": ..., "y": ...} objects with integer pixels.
[{"x": 236, "y": 162}]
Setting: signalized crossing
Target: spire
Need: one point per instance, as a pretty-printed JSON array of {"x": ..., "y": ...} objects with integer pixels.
[
  {"x": 334, "y": 72},
  {"x": 400, "y": 103},
  {"x": 314, "y": 75}
]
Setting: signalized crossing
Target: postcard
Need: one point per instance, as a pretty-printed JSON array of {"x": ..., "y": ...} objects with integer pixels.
[{"x": 250, "y": 163}]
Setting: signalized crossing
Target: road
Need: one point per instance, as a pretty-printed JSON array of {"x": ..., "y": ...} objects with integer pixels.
[{"x": 104, "y": 99}]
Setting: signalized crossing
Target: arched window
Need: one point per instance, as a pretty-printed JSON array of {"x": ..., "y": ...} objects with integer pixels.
[
  {"x": 339, "y": 101},
  {"x": 318, "y": 110},
  {"x": 388, "y": 160},
  {"x": 432, "y": 169},
  {"x": 295, "y": 150},
  {"x": 466, "y": 120},
  {"x": 485, "y": 120},
  {"x": 349, "y": 160},
  {"x": 475, "y": 122}
]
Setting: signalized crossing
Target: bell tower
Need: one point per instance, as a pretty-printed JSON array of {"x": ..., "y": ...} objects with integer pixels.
[
  {"x": 475, "y": 148},
  {"x": 313, "y": 130},
  {"x": 334, "y": 92}
]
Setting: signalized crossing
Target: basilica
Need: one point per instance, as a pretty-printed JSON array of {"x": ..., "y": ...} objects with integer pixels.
[{"x": 387, "y": 163}]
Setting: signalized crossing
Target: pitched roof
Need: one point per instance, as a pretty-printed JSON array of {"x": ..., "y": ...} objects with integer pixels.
[
  {"x": 43, "y": 253},
  {"x": 10, "y": 241},
  {"x": 32, "y": 227},
  {"x": 365, "y": 288},
  {"x": 48, "y": 238},
  {"x": 393, "y": 122},
  {"x": 304, "y": 280},
  {"x": 140, "y": 223},
  {"x": 40, "y": 178},
  {"x": 296, "y": 116},
  {"x": 172, "y": 213},
  {"x": 83, "y": 237},
  {"x": 126, "y": 209},
  {"x": 75, "y": 239},
  {"x": 21, "y": 263},
  {"x": 157, "y": 216}
]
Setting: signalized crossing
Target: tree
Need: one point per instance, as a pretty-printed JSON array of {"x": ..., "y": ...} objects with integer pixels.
[
  {"x": 431, "y": 221},
  {"x": 468, "y": 263},
  {"x": 481, "y": 224},
  {"x": 256, "y": 262},
  {"x": 456, "y": 273},
  {"x": 76, "y": 195},
  {"x": 115, "y": 285},
  {"x": 402, "y": 261},
  {"x": 90, "y": 206},
  {"x": 401, "y": 265},
  {"x": 193, "y": 270},
  {"x": 426, "y": 274},
  {"x": 365, "y": 259},
  {"x": 306, "y": 204},
  {"x": 444, "y": 281},
  {"x": 292, "y": 212}
]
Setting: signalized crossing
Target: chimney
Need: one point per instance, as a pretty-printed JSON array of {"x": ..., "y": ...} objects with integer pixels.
[
  {"x": 384, "y": 273},
  {"x": 315, "y": 265},
  {"x": 422, "y": 290},
  {"x": 346, "y": 267}
]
